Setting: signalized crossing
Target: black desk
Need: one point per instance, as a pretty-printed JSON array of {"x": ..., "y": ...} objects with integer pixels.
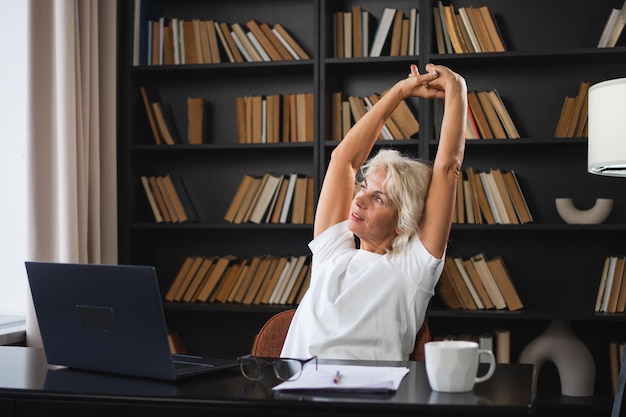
[{"x": 29, "y": 387}]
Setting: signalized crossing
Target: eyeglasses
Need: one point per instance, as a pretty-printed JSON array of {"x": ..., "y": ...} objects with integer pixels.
[{"x": 285, "y": 369}]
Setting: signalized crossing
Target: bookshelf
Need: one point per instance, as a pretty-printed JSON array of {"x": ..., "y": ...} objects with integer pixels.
[{"x": 556, "y": 267}]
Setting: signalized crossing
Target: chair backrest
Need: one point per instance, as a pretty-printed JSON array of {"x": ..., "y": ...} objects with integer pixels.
[{"x": 269, "y": 342}]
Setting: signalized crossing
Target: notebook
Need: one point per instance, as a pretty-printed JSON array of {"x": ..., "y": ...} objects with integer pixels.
[{"x": 108, "y": 318}]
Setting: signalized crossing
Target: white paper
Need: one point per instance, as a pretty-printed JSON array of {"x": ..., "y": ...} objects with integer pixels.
[{"x": 351, "y": 377}]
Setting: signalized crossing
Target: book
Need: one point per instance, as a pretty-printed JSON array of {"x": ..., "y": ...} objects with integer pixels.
[
  {"x": 503, "y": 114},
  {"x": 160, "y": 200},
  {"x": 480, "y": 262},
  {"x": 357, "y": 28},
  {"x": 462, "y": 289},
  {"x": 469, "y": 283},
  {"x": 266, "y": 44},
  {"x": 179, "y": 278},
  {"x": 478, "y": 283},
  {"x": 614, "y": 290},
  {"x": 503, "y": 345},
  {"x": 238, "y": 281},
  {"x": 246, "y": 279},
  {"x": 168, "y": 199},
  {"x": 602, "y": 285},
  {"x": 381, "y": 36},
  {"x": 492, "y": 116},
  {"x": 196, "y": 120},
  {"x": 289, "y": 42},
  {"x": 236, "y": 201},
  {"x": 278, "y": 45},
  {"x": 272, "y": 280},
  {"x": 246, "y": 45},
  {"x": 149, "y": 96},
  {"x": 216, "y": 274},
  {"x": 439, "y": 36},
  {"x": 505, "y": 197},
  {"x": 271, "y": 270},
  {"x": 476, "y": 205},
  {"x": 440, "y": 14},
  {"x": 492, "y": 28},
  {"x": 199, "y": 278},
  {"x": 451, "y": 23},
  {"x": 481, "y": 196},
  {"x": 183, "y": 196},
  {"x": 257, "y": 279},
  {"x": 299, "y": 271},
  {"x": 280, "y": 201},
  {"x": 578, "y": 115},
  {"x": 396, "y": 34},
  {"x": 447, "y": 292},
  {"x": 229, "y": 281},
  {"x": 505, "y": 283},
  {"x": 494, "y": 199},
  {"x": 309, "y": 209},
  {"x": 621, "y": 298},
  {"x": 608, "y": 284},
  {"x": 151, "y": 199},
  {"x": 248, "y": 199},
  {"x": 479, "y": 115},
  {"x": 298, "y": 207},
  {"x": 285, "y": 213},
  {"x": 166, "y": 123},
  {"x": 228, "y": 44},
  {"x": 567, "y": 111},
  {"x": 266, "y": 195},
  {"x": 176, "y": 202},
  {"x": 517, "y": 197}
]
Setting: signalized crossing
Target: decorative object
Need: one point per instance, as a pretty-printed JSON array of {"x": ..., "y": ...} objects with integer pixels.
[
  {"x": 606, "y": 148},
  {"x": 574, "y": 362},
  {"x": 594, "y": 215}
]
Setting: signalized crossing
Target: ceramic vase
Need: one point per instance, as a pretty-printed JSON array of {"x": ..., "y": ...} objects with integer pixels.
[{"x": 573, "y": 360}]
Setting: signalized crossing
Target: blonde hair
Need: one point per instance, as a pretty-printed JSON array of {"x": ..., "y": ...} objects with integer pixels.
[{"x": 406, "y": 185}]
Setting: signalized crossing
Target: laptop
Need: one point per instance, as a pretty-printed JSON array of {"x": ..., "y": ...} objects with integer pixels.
[{"x": 108, "y": 318}]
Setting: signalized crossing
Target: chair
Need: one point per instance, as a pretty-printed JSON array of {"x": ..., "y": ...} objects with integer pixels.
[{"x": 269, "y": 342}]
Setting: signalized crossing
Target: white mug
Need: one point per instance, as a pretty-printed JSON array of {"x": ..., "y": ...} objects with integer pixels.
[{"x": 452, "y": 365}]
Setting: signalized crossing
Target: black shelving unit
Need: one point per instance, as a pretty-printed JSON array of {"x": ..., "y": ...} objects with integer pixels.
[{"x": 556, "y": 267}]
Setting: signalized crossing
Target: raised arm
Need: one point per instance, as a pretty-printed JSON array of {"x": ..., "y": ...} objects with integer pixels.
[
  {"x": 338, "y": 187},
  {"x": 440, "y": 200}
]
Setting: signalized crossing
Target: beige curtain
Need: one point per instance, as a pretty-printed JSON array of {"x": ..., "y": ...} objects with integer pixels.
[{"x": 72, "y": 213}]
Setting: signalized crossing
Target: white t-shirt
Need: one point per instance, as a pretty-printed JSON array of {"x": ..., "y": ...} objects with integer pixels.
[{"x": 362, "y": 305}]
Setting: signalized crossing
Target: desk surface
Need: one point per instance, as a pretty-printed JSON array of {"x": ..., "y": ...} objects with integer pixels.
[{"x": 26, "y": 376}]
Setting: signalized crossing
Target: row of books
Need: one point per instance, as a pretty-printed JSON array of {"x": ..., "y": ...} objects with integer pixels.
[
  {"x": 168, "y": 199},
  {"x": 264, "y": 279},
  {"x": 497, "y": 341},
  {"x": 478, "y": 283},
  {"x": 488, "y": 117},
  {"x": 348, "y": 110},
  {"x": 492, "y": 196},
  {"x": 396, "y": 34},
  {"x": 275, "y": 118},
  {"x": 613, "y": 28},
  {"x": 273, "y": 198},
  {"x": 163, "y": 125},
  {"x": 573, "y": 119},
  {"x": 466, "y": 30},
  {"x": 176, "y": 41},
  {"x": 611, "y": 296}
]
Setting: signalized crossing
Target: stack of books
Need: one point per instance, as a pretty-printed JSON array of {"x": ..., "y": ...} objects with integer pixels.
[
  {"x": 477, "y": 283},
  {"x": 265, "y": 279},
  {"x": 573, "y": 119},
  {"x": 272, "y": 198},
  {"x": 488, "y": 117},
  {"x": 348, "y": 110},
  {"x": 611, "y": 296},
  {"x": 168, "y": 198},
  {"x": 275, "y": 118},
  {"x": 466, "y": 30},
  {"x": 492, "y": 197},
  {"x": 175, "y": 41},
  {"x": 357, "y": 35}
]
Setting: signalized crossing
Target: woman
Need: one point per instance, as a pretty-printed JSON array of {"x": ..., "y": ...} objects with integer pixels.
[{"x": 369, "y": 303}]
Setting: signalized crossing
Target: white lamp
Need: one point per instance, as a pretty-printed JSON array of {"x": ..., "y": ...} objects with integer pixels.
[{"x": 607, "y": 128}]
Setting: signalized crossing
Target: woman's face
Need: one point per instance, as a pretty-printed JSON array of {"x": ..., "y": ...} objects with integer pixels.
[{"x": 373, "y": 217}]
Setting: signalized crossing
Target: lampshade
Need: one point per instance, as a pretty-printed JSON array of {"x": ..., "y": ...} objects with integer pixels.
[{"x": 606, "y": 153}]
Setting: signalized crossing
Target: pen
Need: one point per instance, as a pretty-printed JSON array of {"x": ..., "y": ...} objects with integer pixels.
[{"x": 336, "y": 378}]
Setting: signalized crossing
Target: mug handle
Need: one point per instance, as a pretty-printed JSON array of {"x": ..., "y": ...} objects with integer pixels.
[{"x": 492, "y": 365}]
